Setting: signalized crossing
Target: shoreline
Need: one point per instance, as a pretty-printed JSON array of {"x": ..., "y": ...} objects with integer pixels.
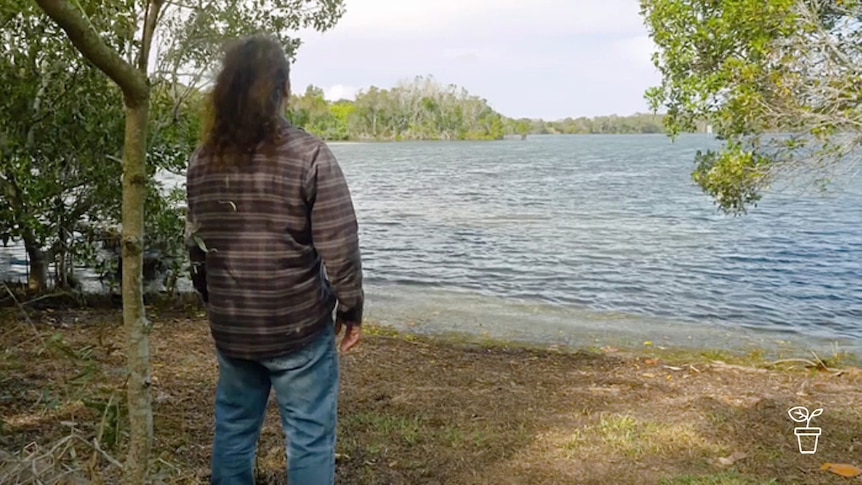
[
  {"x": 508, "y": 138},
  {"x": 438, "y": 311},
  {"x": 463, "y": 314},
  {"x": 108, "y": 308}
]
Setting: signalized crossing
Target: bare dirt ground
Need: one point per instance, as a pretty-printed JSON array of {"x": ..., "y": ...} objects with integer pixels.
[{"x": 423, "y": 410}]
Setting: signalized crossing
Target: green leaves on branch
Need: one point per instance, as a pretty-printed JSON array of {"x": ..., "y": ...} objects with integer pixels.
[
  {"x": 734, "y": 177},
  {"x": 192, "y": 34},
  {"x": 779, "y": 76},
  {"x": 63, "y": 124}
]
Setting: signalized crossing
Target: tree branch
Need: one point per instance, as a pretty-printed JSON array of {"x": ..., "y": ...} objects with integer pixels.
[
  {"x": 90, "y": 44},
  {"x": 152, "y": 15},
  {"x": 67, "y": 86}
]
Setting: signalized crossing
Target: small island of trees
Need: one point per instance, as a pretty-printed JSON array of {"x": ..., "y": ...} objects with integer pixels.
[{"x": 424, "y": 109}]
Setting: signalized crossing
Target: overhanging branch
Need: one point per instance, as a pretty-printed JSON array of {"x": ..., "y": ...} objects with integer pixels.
[{"x": 90, "y": 44}]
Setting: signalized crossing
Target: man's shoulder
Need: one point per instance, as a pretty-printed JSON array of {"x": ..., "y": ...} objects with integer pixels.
[
  {"x": 299, "y": 141},
  {"x": 194, "y": 159}
]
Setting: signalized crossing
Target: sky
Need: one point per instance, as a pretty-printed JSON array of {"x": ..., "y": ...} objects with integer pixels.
[{"x": 545, "y": 59}]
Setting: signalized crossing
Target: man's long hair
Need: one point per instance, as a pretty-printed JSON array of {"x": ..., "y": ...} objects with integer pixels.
[{"x": 246, "y": 104}]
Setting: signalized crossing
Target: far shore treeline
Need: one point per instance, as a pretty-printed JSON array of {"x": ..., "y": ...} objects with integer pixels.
[{"x": 424, "y": 109}]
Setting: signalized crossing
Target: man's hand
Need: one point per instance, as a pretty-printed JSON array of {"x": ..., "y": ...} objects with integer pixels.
[{"x": 352, "y": 332}]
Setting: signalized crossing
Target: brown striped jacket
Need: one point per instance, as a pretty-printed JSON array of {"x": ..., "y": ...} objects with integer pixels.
[{"x": 281, "y": 245}]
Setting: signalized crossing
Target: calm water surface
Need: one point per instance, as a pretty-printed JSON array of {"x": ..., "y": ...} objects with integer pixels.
[
  {"x": 602, "y": 232},
  {"x": 573, "y": 239}
]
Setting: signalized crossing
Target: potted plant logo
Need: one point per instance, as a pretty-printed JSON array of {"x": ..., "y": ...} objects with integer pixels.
[{"x": 807, "y": 436}]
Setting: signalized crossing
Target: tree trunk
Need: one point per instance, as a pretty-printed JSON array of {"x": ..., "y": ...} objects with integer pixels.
[
  {"x": 134, "y": 315},
  {"x": 61, "y": 268},
  {"x": 37, "y": 281},
  {"x": 136, "y": 90}
]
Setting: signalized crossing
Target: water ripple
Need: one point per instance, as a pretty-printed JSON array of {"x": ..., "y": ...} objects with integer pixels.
[{"x": 612, "y": 223}]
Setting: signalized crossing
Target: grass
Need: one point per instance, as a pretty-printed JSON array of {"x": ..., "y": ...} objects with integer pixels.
[
  {"x": 751, "y": 358},
  {"x": 454, "y": 409},
  {"x": 717, "y": 479},
  {"x": 629, "y": 437}
]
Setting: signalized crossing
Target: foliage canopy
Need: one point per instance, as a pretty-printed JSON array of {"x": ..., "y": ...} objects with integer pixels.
[{"x": 778, "y": 80}]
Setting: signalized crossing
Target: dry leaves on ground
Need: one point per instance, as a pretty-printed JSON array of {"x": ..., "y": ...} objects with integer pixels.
[{"x": 842, "y": 469}]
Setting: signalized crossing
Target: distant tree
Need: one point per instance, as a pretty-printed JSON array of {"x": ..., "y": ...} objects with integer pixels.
[
  {"x": 421, "y": 109},
  {"x": 522, "y": 127},
  {"x": 340, "y": 113},
  {"x": 780, "y": 81},
  {"x": 607, "y": 125}
]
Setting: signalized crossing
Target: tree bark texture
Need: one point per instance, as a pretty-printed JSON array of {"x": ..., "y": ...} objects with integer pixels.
[
  {"x": 134, "y": 84},
  {"x": 134, "y": 315}
]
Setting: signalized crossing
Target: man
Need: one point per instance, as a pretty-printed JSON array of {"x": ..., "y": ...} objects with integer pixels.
[{"x": 268, "y": 207}]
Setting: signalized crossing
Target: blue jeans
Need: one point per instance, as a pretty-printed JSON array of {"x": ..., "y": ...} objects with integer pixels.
[{"x": 306, "y": 389}]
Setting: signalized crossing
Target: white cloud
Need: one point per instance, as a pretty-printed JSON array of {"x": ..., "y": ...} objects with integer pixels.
[{"x": 339, "y": 91}]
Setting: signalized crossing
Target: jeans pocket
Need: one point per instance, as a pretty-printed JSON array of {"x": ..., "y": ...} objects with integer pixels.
[{"x": 304, "y": 355}]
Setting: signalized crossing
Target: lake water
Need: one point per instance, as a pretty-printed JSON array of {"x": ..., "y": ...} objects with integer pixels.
[{"x": 598, "y": 239}]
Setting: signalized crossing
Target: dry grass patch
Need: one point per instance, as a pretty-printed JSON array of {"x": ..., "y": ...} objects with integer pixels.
[
  {"x": 630, "y": 437},
  {"x": 728, "y": 478},
  {"x": 417, "y": 410}
]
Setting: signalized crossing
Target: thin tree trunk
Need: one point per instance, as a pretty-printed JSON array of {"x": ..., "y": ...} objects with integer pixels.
[
  {"x": 132, "y": 79},
  {"x": 61, "y": 270},
  {"x": 37, "y": 279},
  {"x": 134, "y": 315}
]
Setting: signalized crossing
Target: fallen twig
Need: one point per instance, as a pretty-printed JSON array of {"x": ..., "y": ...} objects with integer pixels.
[
  {"x": 46, "y": 297},
  {"x": 32, "y": 465},
  {"x": 817, "y": 365},
  {"x": 23, "y": 311},
  {"x": 851, "y": 371},
  {"x": 95, "y": 446},
  {"x": 723, "y": 365},
  {"x": 820, "y": 362}
]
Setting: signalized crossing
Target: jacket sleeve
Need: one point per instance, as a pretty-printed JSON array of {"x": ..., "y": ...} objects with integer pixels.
[
  {"x": 197, "y": 256},
  {"x": 334, "y": 232},
  {"x": 199, "y": 271}
]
